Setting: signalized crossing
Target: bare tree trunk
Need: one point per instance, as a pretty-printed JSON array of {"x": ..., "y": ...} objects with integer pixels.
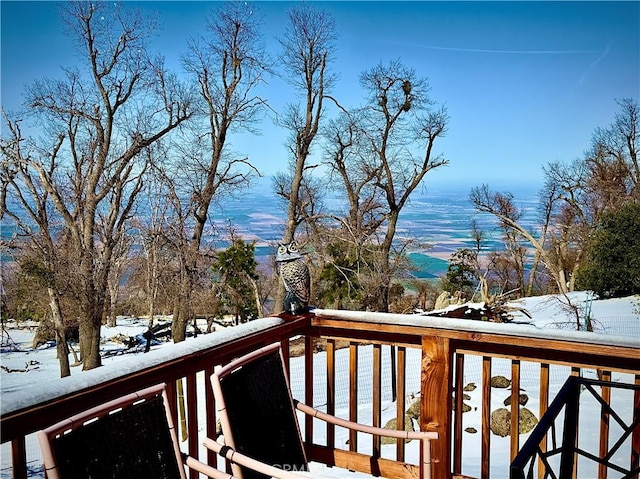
[
  {"x": 256, "y": 292},
  {"x": 62, "y": 348},
  {"x": 152, "y": 307},
  {"x": 532, "y": 274},
  {"x": 181, "y": 312},
  {"x": 113, "y": 301},
  {"x": 90, "y": 342},
  {"x": 152, "y": 286},
  {"x": 307, "y": 67},
  {"x": 385, "y": 262}
]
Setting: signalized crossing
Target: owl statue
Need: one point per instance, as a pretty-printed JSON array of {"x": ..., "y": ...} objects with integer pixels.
[{"x": 295, "y": 276}]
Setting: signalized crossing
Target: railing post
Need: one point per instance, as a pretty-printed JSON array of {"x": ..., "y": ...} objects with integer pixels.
[
  {"x": 435, "y": 401},
  {"x": 570, "y": 430},
  {"x": 192, "y": 421},
  {"x": 635, "y": 435},
  {"x": 19, "y": 458},
  {"x": 604, "y": 424},
  {"x": 308, "y": 388}
]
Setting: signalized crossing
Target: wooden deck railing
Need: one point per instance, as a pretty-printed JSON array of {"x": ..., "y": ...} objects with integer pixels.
[
  {"x": 381, "y": 360},
  {"x": 185, "y": 369},
  {"x": 449, "y": 345}
]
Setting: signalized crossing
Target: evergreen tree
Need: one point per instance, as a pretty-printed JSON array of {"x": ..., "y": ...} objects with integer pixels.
[
  {"x": 338, "y": 279},
  {"x": 461, "y": 274},
  {"x": 612, "y": 267},
  {"x": 236, "y": 282}
]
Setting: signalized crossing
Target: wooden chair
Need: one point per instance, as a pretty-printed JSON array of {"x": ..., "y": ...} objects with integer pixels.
[
  {"x": 130, "y": 437},
  {"x": 259, "y": 420}
]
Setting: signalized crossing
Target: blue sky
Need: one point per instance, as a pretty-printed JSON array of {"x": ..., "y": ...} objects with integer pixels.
[{"x": 525, "y": 83}]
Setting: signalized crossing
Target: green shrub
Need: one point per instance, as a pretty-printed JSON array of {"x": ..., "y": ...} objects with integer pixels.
[{"x": 612, "y": 260}]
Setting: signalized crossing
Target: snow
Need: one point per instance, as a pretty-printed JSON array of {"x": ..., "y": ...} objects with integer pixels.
[
  {"x": 527, "y": 330},
  {"x": 43, "y": 370},
  {"x": 30, "y": 375}
]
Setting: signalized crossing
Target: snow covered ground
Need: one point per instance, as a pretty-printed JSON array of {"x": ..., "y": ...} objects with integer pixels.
[{"x": 24, "y": 369}]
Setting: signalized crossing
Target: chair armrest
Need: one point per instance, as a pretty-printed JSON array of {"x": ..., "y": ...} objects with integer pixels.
[
  {"x": 376, "y": 431},
  {"x": 205, "y": 469},
  {"x": 242, "y": 460}
]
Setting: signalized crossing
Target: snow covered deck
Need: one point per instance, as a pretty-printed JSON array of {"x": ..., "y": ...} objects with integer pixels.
[{"x": 366, "y": 366}]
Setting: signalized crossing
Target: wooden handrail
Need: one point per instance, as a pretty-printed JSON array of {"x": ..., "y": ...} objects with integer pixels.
[
  {"x": 552, "y": 345},
  {"x": 185, "y": 359}
]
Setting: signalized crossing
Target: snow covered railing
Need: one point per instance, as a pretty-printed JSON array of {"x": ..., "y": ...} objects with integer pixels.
[
  {"x": 183, "y": 366},
  {"x": 59, "y": 388},
  {"x": 478, "y": 327}
]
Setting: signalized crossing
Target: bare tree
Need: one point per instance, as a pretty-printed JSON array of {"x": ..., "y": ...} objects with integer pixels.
[
  {"x": 227, "y": 65},
  {"x": 120, "y": 262},
  {"x": 613, "y": 157},
  {"x": 502, "y": 206},
  {"x": 153, "y": 237},
  {"x": 578, "y": 193},
  {"x": 307, "y": 51},
  {"x": 30, "y": 209},
  {"x": 399, "y": 121},
  {"x": 345, "y": 239},
  {"x": 547, "y": 201},
  {"x": 352, "y": 173},
  {"x": 101, "y": 122}
]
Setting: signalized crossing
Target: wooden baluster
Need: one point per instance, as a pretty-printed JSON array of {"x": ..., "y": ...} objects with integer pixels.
[
  {"x": 515, "y": 408},
  {"x": 19, "y": 458},
  {"x": 486, "y": 417},
  {"x": 192, "y": 418},
  {"x": 604, "y": 424},
  {"x": 331, "y": 391},
  {"x": 308, "y": 388},
  {"x": 401, "y": 398},
  {"x": 544, "y": 405},
  {"x": 377, "y": 396},
  {"x": 210, "y": 405},
  {"x": 353, "y": 394},
  {"x": 457, "y": 418}
]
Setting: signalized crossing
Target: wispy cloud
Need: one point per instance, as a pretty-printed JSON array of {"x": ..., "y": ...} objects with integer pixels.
[
  {"x": 593, "y": 64},
  {"x": 509, "y": 52}
]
